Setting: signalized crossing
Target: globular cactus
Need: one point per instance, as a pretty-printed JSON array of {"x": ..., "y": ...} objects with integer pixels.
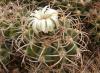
[{"x": 52, "y": 48}]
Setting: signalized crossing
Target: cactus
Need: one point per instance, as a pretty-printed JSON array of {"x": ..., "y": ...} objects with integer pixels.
[{"x": 54, "y": 48}]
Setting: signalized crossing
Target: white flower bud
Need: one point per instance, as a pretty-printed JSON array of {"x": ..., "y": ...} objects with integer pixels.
[{"x": 45, "y": 20}]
